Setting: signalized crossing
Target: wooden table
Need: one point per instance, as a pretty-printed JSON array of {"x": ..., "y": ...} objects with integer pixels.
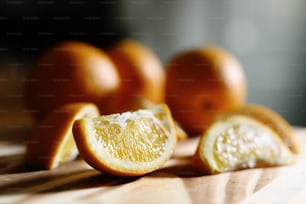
[{"x": 176, "y": 182}]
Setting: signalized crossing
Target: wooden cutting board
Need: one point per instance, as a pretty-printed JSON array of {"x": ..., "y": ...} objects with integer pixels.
[{"x": 176, "y": 182}]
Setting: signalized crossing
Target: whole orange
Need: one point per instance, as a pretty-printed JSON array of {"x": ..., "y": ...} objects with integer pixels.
[
  {"x": 71, "y": 72},
  {"x": 202, "y": 83},
  {"x": 141, "y": 72}
]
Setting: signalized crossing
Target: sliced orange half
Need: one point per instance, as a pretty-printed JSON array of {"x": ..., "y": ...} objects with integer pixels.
[
  {"x": 239, "y": 142},
  {"x": 127, "y": 144},
  {"x": 52, "y": 142}
]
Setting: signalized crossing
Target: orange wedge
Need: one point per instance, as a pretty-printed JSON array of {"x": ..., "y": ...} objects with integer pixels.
[
  {"x": 238, "y": 142},
  {"x": 180, "y": 133},
  {"x": 141, "y": 103},
  {"x": 274, "y": 120},
  {"x": 52, "y": 142},
  {"x": 127, "y": 144}
]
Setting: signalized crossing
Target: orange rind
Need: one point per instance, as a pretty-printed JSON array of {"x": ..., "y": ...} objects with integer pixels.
[{"x": 51, "y": 142}]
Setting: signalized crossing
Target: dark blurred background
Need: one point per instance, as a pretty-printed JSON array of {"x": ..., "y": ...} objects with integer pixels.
[
  {"x": 267, "y": 36},
  {"x": 28, "y": 27}
]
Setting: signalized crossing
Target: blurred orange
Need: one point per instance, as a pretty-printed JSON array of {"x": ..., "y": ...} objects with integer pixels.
[
  {"x": 142, "y": 75},
  {"x": 202, "y": 83},
  {"x": 71, "y": 72}
]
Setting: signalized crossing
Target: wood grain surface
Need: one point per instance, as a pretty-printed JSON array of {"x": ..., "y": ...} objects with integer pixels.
[{"x": 176, "y": 182}]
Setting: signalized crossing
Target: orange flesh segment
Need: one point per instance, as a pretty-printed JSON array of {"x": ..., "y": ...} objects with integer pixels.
[{"x": 115, "y": 138}]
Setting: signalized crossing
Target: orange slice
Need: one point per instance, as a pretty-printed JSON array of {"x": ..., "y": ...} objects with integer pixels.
[
  {"x": 274, "y": 120},
  {"x": 52, "y": 142},
  {"x": 141, "y": 103},
  {"x": 127, "y": 144},
  {"x": 239, "y": 142},
  {"x": 181, "y": 134}
]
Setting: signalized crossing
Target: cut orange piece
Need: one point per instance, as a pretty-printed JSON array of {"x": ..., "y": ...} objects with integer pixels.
[
  {"x": 181, "y": 134},
  {"x": 52, "y": 142},
  {"x": 127, "y": 144},
  {"x": 239, "y": 142},
  {"x": 273, "y": 120}
]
